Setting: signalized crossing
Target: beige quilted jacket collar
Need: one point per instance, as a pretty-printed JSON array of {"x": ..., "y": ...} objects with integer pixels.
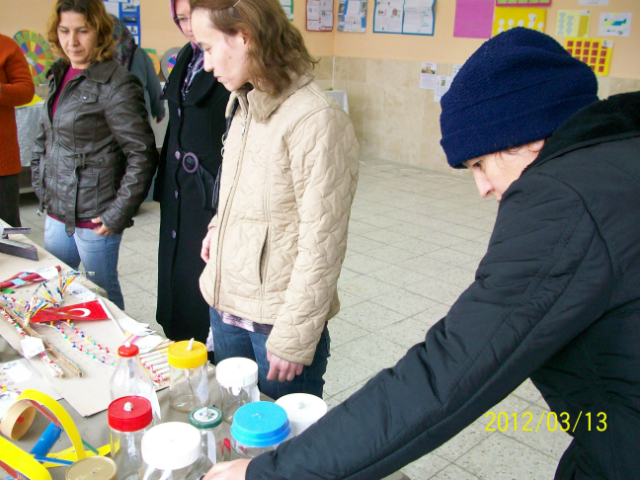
[{"x": 261, "y": 104}]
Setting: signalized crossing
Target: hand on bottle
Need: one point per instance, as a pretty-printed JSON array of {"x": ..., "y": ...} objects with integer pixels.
[
  {"x": 235, "y": 470},
  {"x": 282, "y": 369}
]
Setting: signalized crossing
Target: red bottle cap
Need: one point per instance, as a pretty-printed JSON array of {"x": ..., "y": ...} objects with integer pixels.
[
  {"x": 130, "y": 414},
  {"x": 129, "y": 350}
]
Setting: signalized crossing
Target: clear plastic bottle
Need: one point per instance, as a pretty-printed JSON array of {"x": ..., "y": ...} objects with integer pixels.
[
  {"x": 257, "y": 428},
  {"x": 129, "y": 419},
  {"x": 189, "y": 388},
  {"x": 131, "y": 378},
  {"x": 207, "y": 420},
  {"x": 238, "y": 381},
  {"x": 172, "y": 451}
]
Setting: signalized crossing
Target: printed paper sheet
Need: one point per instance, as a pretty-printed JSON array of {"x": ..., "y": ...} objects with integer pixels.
[
  {"x": 428, "y": 75},
  {"x": 319, "y": 15},
  {"x": 418, "y": 17},
  {"x": 573, "y": 23},
  {"x": 615, "y": 24},
  {"x": 507, "y": 18},
  {"x": 388, "y": 16},
  {"x": 352, "y": 16},
  {"x": 474, "y": 18}
]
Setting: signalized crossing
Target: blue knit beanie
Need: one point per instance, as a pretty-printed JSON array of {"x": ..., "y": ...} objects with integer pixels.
[{"x": 517, "y": 88}]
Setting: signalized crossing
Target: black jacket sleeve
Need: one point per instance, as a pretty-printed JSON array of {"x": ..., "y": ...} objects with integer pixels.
[
  {"x": 37, "y": 161},
  {"x": 545, "y": 278},
  {"x": 126, "y": 116}
]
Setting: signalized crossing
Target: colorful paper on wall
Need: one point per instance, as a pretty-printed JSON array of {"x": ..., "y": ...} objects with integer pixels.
[
  {"x": 593, "y": 2},
  {"x": 388, "y": 16},
  {"x": 442, "y": 86},
  {"x": 523, "y": 3},
  {"x": 615, "y": 24},
  {"x": 428, "y": 75},
  {"x": 287, "y": 5},
  {"x": 456, "y": 69},
  {"x": 474, "y": 18},
  {"x": 352, "y": 16},
  {"x": 419, "y": 17},
  {"x": 38, "y": 53},
  {"x": 595, "y": 52},
  {"x": 129, "y": 12},
  {"x": 573, "y": 23},
  {"x": 320, "y": 15},
  {"x": 508, "y": 18}
]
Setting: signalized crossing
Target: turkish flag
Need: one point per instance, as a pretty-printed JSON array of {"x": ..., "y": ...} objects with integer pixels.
[{"x": 80, "y": 311}]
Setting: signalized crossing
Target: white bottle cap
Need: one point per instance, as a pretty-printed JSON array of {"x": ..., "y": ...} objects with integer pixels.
[
  {"x": 171, "y": 446},
  {"x": 237, "y": 372},
  {"x": 303, "y": 410}
]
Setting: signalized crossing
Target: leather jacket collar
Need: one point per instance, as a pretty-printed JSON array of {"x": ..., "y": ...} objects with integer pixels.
[{"x": 99, "y": 72}]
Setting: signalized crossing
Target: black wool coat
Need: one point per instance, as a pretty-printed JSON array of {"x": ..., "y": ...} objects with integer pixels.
[
  {"x": 184, "y": 188},
  {"x": 556, "y": 298}
]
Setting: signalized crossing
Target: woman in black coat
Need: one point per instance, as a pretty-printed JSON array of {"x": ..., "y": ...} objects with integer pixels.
[{"x": 189, "y": 163}]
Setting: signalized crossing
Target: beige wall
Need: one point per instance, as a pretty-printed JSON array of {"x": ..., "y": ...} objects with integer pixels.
[
  {"x": 444, "y": 48},
  {"x": 394, "y": 118}
]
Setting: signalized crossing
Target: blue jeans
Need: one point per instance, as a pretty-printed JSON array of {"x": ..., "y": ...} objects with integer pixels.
[
  {"x": 98, "y": 254},
  {"x": 231, "y": 341}
]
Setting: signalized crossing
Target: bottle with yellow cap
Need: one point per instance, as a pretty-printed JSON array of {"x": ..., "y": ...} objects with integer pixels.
[{"x": 189, "y": 387}]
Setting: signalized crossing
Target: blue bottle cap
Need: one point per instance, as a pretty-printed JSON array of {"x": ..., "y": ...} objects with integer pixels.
[{"x": 260, "y": 424}]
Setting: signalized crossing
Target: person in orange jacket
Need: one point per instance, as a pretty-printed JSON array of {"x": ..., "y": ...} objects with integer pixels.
[{"x": 16, "y": 88}]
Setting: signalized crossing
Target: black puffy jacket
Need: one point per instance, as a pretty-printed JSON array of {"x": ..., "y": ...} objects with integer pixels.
[
  {"x": 98, "y": 155},
  {"x": 556, "y": 298}
]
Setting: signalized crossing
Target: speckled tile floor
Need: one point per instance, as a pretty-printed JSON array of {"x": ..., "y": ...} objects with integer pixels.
[{"x": 415, "y": 240}]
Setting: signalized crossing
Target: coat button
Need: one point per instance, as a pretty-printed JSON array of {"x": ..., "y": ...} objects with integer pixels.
[
  {"x": 173, "y": 234},
  {"x": 176, "y": 193},
  {"x": 179, "y": 112},
  {"x": 177, "y": 155}
]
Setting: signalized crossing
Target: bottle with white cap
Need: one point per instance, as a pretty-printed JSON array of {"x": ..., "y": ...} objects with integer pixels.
[
  {"x": 303, "y": 410},
  {"x": 238, "y": 380},
  {"x": 172, "y": 451}
]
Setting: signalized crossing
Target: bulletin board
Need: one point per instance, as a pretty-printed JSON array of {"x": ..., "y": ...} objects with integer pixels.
[{"x": 129, "y": 12}]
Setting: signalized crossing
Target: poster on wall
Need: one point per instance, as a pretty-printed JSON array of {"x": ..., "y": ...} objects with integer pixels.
[
  {"x": 428, "y": 75},
  {"x": 129, "y": 12},
  {"x": 474, "y": 19},
  {"x": 419, "y": 18},
  {"x": 319, "y": 15},
  {"x": 508, "y": 18},
  {"x": 388, "y": 15},
  {"x": 287, "y": 5},
  {"x": 523, "y": 3},
  {"x": 442, "y": 86},
  {"x": 352, "y": 16},
  {"x": 615, "y": 24},
  {"x": 573, "y": 23},
  {"x": 595, "y": 52},
  {"x": 594, "y": 2}
]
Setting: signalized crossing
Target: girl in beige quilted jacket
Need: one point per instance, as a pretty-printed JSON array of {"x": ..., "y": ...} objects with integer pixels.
[{"x": 275, "y": 248}]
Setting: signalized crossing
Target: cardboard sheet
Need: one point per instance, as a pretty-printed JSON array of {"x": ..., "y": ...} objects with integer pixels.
[{"x": 89, "y": 394}]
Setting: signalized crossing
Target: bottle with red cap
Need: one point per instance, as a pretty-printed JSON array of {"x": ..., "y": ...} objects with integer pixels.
[
  {"x": 130, "y": 377},
  {"x": 129, "y": 419}
]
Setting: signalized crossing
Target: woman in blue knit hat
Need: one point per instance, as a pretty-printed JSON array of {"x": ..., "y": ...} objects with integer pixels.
[{"x": 556, "y": 298}]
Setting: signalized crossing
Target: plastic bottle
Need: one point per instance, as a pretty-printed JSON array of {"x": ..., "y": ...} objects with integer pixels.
[
  {"x": 257, "y": 428},
  {"x": 129, "y": 419},
  {"x": 189, "y": 388},
  {"x": 131, "y": 378},
  {"x": 207, "y": 420},
  {"x": 238, "y": 380},
  {"x": 172, "y": 451}
]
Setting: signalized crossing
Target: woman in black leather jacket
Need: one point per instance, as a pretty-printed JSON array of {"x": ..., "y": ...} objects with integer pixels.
[{"x": 95, "y": 153}]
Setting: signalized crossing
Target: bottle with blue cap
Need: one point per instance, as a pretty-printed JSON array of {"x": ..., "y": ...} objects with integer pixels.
[{"x": 258, "y": 427}]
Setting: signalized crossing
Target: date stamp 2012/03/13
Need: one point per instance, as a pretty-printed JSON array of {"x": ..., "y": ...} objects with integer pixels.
[{"x": 504, "y": 421}]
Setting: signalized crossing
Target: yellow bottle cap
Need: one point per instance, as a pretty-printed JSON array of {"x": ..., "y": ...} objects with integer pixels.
[
  {"x": 94, "y": 468},
  {"x": 179, "y": 355}
]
